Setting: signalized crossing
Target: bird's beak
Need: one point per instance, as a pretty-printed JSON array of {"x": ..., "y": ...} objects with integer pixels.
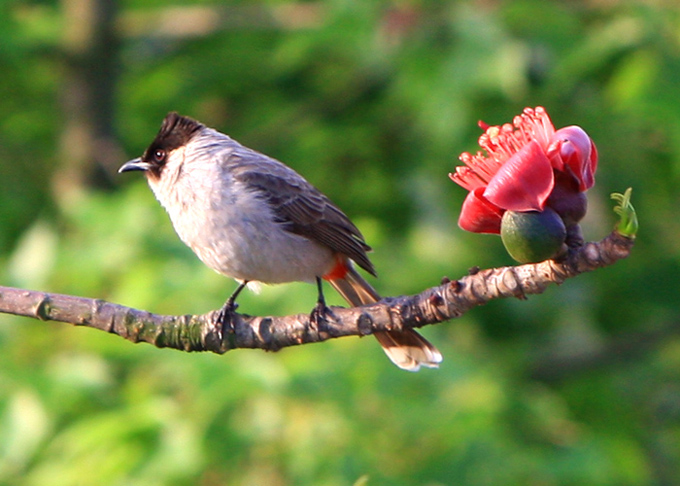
[{"x": 134, "y": 164}]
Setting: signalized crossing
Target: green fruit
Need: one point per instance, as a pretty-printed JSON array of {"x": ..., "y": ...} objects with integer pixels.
[{"x": 533, "y": 236}]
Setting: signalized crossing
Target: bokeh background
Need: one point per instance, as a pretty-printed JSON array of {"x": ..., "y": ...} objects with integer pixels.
[{"x": 372, "y": 101}]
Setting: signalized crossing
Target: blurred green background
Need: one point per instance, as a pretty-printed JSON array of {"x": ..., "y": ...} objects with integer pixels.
[{"x": 372, "y": 101}]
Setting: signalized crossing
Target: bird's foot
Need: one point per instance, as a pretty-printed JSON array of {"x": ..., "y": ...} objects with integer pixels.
[
  {"x": 224, "y": 321},
  {"x": 319, "y": 315}
]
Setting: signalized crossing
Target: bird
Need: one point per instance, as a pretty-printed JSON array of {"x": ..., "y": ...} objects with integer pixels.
[{"x": 252, "y": 218}]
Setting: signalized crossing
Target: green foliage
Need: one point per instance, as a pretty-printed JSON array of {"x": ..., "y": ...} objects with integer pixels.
[{"x": 372, "y": 102}]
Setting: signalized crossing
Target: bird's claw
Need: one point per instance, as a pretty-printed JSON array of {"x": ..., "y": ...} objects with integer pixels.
[
  {"x": 319, "y": 315},
  {"x": 224, "y": 319}
]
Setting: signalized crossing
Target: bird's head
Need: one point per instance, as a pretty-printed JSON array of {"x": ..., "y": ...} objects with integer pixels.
[{"x": 175, "y": 133}]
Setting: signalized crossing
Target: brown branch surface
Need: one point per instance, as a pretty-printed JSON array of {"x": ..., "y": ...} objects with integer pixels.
[{"x": 434, "y": 305}]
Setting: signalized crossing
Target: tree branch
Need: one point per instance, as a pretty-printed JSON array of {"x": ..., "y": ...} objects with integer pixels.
[{"x": 434, "y": 305}]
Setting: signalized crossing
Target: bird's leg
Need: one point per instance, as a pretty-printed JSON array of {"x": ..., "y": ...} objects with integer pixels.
[
  {"x": 226, "y": 313},
  {"x": 320, "y": 311}
]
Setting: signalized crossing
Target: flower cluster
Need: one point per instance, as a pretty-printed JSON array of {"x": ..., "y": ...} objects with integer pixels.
[{"x": 526, "y": 167}]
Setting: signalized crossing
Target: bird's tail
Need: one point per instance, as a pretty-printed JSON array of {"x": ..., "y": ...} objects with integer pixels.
[{"x": 407, "y": 349}]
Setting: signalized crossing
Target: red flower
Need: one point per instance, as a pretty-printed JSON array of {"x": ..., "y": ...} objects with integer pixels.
[{"x": 528, "y": 166}]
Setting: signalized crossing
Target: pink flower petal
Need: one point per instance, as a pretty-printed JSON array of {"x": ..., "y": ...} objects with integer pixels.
[
  {"x": 593, "y": 163},
  {"x": 571, "y": 150},
  {"x": 478, "y": 215},
  {"x": 524, "y": 182}
]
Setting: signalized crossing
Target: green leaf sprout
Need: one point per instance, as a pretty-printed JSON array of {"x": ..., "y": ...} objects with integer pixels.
[{"x": 628, "y": 225}]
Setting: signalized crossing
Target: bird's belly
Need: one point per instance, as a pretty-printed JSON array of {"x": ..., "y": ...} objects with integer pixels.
[{"x": 255, "y": 248}]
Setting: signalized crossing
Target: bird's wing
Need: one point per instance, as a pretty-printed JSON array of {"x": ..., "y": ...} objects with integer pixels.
[{"x": 299, "y": 206}]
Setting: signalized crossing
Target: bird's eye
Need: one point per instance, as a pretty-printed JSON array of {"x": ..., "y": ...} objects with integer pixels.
[{"x": 159, "y": 155}]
